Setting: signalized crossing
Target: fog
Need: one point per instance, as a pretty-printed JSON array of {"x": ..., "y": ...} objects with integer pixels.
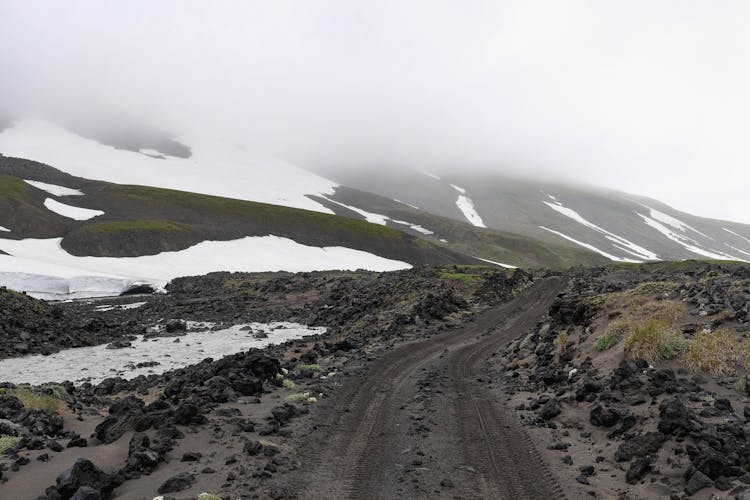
[{"x": 647, "y": 97}]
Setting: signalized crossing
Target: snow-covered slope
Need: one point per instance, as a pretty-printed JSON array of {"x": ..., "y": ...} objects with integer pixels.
[
  {"x": 45, "y": 270},
  {"x": 615, "y": 225},
  {"x": 213, "y": 168}
]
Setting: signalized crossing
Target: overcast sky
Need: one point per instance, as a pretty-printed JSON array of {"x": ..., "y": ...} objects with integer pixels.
[{"x": 650, "y": 97}]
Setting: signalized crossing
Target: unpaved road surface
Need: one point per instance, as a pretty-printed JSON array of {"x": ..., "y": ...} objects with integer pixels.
[{"x": 423, "y": 423}]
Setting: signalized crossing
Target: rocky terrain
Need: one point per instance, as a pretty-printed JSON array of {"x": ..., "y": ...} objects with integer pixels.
[
  {"x": 625, "y": 382},
  {"x": 223, "y": 425}
]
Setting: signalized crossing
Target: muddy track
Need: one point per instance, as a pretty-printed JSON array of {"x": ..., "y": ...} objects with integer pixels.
[{"x": 361, "y": 451}]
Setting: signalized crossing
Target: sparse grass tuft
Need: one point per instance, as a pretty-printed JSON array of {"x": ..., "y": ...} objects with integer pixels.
[
  {"x": 607, "y": 341},
  {"x": 299, "y": 397},
  {"x": 715, "y": 352},
  {"x": 208, "y": 496},
  {"x": 561, "y": 342},
  {"x": 288, "y": 384},
  {"x": 34, "y": 400},
  {"x": 9, "y": 442},
  {"x": 309, "y": 368},
  {"x": 654, "y": 340},
  {"x": 544, "y": 330}
]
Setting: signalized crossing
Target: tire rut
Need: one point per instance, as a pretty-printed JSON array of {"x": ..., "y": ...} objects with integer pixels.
[{"x": 357, "y": 459}]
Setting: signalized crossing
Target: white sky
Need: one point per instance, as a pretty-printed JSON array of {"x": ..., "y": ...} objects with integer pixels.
[{"x": 651, "y": 97}]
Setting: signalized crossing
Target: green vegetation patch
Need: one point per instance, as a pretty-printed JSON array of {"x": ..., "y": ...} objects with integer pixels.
[
  {"x": 462, "y": 277},
  {"x": 607, "y": 341},
  {"x": 208, "y": 496},
  {"x": 116, "y": 227},
  {"x": 9, "y": 442},
  {"x": 12, "y": 188},
  {"x": 654, "y": 340},
  {"x": 35, "y": 400},
  {"x": 715, "y": 352},
  {"x": 270, "y": 215}
]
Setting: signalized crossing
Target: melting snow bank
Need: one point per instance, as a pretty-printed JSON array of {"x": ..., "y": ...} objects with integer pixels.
[
  {"x": 214, "y": 168},
  {"x": 466, "y": 205},
  {"x": 590, "y": 247},
  {"x": 618, "y": 241},
  {"x": 688, "y": 243},
  {"x": 506, "y": 266},
  {"x": 71, "y": 212},
  {"x": 54, "y": 189},
  {"x": 147, "y": 356},
  {"x": 42, "y": 268},
  {"x": 380, "y": 219}
]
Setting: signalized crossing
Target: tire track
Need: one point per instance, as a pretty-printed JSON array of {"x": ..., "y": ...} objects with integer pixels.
[{"x": 358, "y": 460}]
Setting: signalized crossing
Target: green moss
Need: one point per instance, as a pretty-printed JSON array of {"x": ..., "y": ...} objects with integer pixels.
[
  {"x": 606, "y": 341},
  {"x": 12, "y": 188},
  {"x": 115, "y": 227},
  {"x": 288, "y": 384},
  {"x": 208, "y": 496},
  {"x": 9, "y": 442},
  {"x": 462, "y": 277},
  {"x": 276, "y": 215},
  {"x": 35, "y": 400}
]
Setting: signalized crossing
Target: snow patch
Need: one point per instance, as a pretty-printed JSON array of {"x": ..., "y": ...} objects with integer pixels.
[
  {"x": 736, "y": 234},
  {"x": 4, "y": 229},
  {"x": 618, "y": 241},
  {"x": 54, "y": 189},
  {"x": 59, "y": 274},
  {"x": 94, "y": 364},
  {"x": 369, "y": 216},
  {"x": 70, "y": 211},
  {"x": 590, "y": 247},
  {"x": 407, "y": 204},
  {"x": 119, "y": 307},
  {"x": 379, "y": 218},
  {"x": 686, "y": 242},
  {"x": 466, "y": 205},
  {"x": 672, "y": 222},
  {"x": 414, "y": 227},
  {"x": 215, "y": 168},
  {"x": 507, "y": 266},
  {"x": 430, "y": 174}
]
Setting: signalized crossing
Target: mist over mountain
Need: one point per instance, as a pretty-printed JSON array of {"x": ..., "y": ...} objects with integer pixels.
[{"x": 641, "y": 98}]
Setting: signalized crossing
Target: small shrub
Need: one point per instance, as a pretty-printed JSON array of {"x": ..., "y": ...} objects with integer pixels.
[
  {"x": 715, "y": 352},
  {"x": 288, "y": 384},
  {"x": 9, "y": 442},
  {"x": 33, "y": 400},
  {"x": 544, "y": 330},
  {"x": 561, "y": 342},
  {"x": 299, "y": 397},
  {"x": 653, "y": 340},
  {"x": 208, "y": 496},
  {"x": 309, "y": 368},
  {"x": 607, "y": 340}
]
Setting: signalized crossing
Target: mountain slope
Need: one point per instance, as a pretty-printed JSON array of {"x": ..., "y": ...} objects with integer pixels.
[
  {"x": 617, "y": 226},
  {"x": 119, "y": 235},
  {"x": 493, "y": 245},
  {"x": 200, "y": 166}
]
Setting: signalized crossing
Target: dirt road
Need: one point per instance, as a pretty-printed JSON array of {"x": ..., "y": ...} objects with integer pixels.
[{"x": 423, "y": 423}]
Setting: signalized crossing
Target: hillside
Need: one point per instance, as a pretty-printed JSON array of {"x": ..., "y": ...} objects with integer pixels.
[
  {"x": 65, "y": 227},
  {"x": 616, "y": 225}
]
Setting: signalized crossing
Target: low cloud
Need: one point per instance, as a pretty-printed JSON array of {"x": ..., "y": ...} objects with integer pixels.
[{"x": 651, "y": 98}]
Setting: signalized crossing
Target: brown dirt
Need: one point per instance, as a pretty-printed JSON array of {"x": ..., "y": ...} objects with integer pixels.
[{"x": 390, "y": 433}]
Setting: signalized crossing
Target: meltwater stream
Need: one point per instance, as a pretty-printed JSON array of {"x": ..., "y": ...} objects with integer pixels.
[{"x": 94, "y": 364}]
